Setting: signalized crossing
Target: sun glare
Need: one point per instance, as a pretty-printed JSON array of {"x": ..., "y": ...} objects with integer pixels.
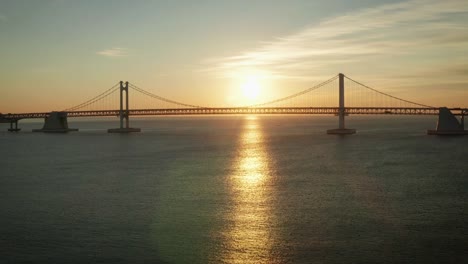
[
  {"x": 248, "y": 87},
  {"x": 251, "y": 88}
]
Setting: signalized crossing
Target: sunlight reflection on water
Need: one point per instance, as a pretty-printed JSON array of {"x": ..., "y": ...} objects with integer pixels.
[
  {"x": 226, "y": 189},
  {"x": 249, "y": 237}
]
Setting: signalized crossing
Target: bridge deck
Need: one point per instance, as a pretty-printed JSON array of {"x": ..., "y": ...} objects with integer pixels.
[{"x": 237, "y": 110}]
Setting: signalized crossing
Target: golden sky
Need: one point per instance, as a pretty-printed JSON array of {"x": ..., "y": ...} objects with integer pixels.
[{"x": 57, "y": 54}]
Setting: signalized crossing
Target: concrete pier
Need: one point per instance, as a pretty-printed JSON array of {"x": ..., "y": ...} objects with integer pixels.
[
  {"x": 341, "y": 130},
  {"x": 448, "y": 124},
  {"x": 56, "y": 122},
  {"x": 123, "y": 130},
  {"x": 15, "y": 128}
]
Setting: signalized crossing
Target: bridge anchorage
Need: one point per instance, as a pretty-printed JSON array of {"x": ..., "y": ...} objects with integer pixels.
[
  {"x": 448, "y": 124},
  {"x": 56, "y": 122},
  {"x": 124, "y": 114}
]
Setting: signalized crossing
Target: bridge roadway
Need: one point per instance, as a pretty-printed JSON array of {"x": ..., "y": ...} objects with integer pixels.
[{"x": 245, "y": 110}]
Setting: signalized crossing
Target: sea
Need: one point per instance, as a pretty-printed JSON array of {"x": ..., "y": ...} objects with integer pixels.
[{"x": 234, "y": 189}]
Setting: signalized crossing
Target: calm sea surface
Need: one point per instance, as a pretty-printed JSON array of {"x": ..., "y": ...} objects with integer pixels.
[{"x": 235, "y": 189}]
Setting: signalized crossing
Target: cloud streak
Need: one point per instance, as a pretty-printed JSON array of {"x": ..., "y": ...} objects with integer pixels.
[
  {"x": 113, "y": 52},
  {"x": 391, "y": 37}
]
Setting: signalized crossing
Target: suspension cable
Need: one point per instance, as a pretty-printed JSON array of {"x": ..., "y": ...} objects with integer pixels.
[
  {"x": 136, "y": 88},
  {"x": 296, "y": 94},
  {"x": 394, "y": 97},
  {"x": 95, "y": 99}
]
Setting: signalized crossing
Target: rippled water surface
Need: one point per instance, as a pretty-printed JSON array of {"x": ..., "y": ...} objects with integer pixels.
[{"x": 234, "y": 189}]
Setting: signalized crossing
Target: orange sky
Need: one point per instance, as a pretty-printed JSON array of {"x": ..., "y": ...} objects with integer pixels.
[{"x": 210, "y": 53}]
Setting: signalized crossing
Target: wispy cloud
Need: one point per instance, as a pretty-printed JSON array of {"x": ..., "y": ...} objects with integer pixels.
[
  {"x": 417, "y": 33},
  {"x": 114, "y": 52},
  {"x": 3, "y": 18}
]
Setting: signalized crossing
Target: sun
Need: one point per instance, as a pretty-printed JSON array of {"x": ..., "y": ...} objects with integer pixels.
[{"x": 251, "y": 88}]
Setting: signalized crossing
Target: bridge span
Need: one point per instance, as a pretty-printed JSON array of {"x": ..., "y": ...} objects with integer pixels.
[
  {"x": 245, "y": 110},
  {"x": 448, "y": 122}
]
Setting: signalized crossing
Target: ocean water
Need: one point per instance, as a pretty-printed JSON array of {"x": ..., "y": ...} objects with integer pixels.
[{"x": 235, "y": 189}]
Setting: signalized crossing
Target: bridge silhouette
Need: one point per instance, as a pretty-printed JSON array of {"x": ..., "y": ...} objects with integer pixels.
[{"x": 339, "y": 95}]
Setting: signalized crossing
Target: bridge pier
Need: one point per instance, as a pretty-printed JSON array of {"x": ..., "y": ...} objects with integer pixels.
[
  {"x": 448, "y": 124},
  {"x": 463, "y": 119},
  {"x": 124, "y": 114},
  {"x": 341, "y": 130},
  {"x": 56, "y": 122},
  {"x": 14, "y": 129}
]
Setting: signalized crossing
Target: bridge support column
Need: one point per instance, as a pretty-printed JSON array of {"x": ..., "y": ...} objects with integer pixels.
[
  {"x": 448, "y": 124},
  {"x": 56, "y": 122},
  {"x": 341, "y": 130},
  {"x": 124, "y": 114},
  {"x": 463, "y": 120},
  {"x": 14, "y": 129}
]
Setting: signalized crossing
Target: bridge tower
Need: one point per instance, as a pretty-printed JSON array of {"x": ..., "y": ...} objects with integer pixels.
[
  {"x": 341, "y": 130},
  {"x": 124, "y": 113}
]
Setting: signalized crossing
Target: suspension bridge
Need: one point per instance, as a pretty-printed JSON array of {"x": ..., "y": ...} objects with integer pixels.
[{"x": 325, "y": 98}]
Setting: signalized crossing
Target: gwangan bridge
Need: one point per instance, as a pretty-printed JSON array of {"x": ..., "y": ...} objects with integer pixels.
[{"x": 326, "y": 98}]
